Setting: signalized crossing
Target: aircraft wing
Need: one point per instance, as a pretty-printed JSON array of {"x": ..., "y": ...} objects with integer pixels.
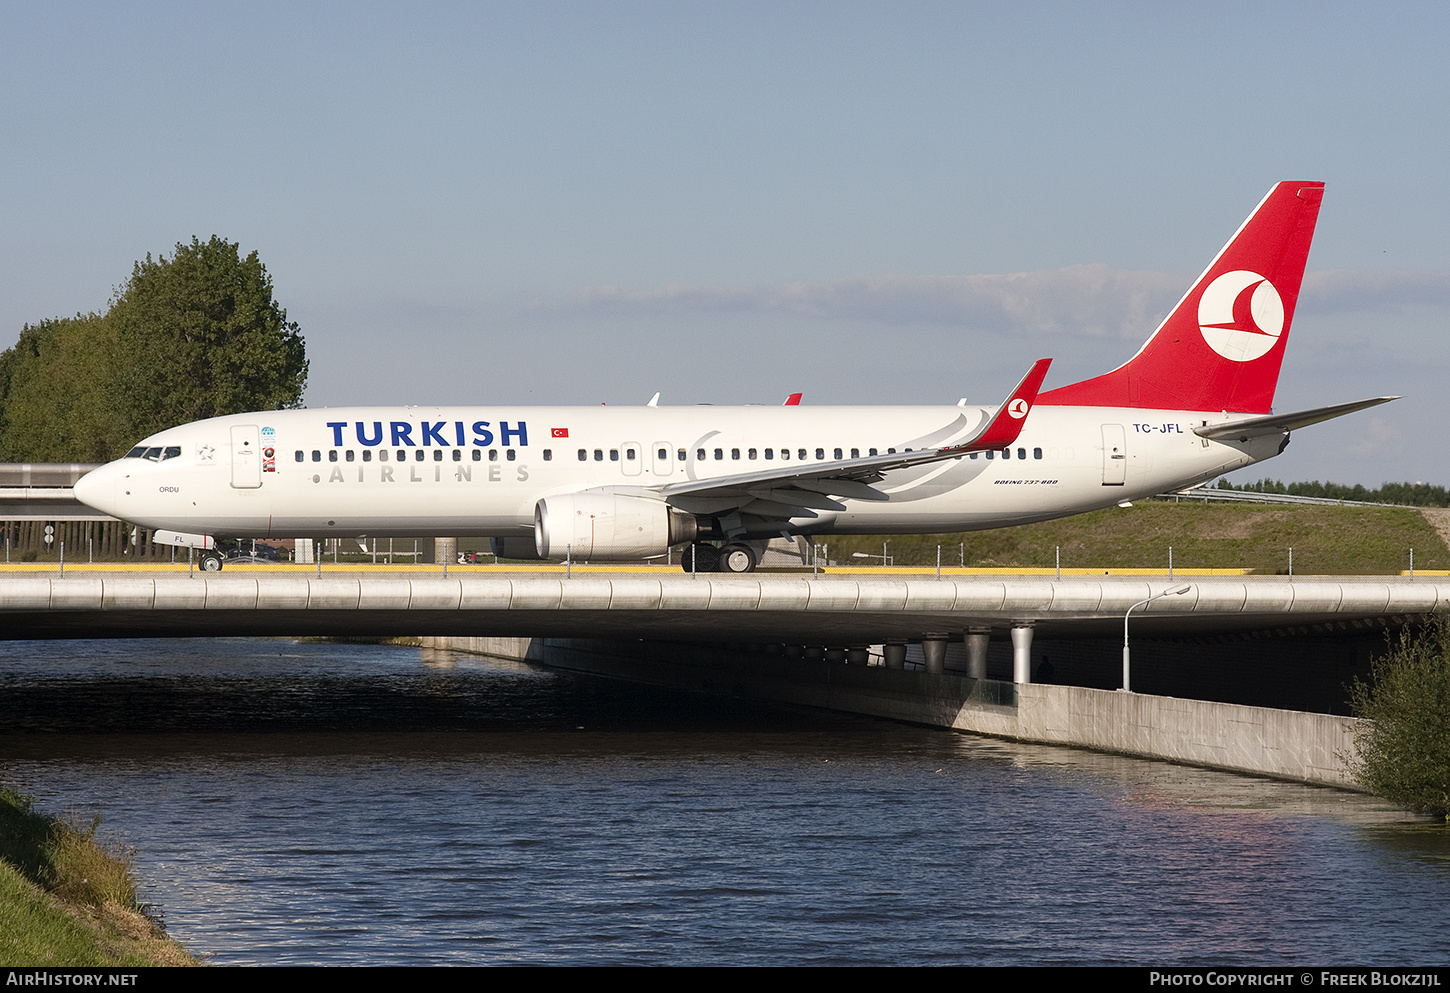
[
  {"x": 786, "y": 491},
  {"x": 1254, "y": 427}
]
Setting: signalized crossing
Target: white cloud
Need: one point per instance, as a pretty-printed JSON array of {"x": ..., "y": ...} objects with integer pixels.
[
  {"x": 1379, "y": 438},
  {"x": 1338, "y": 290},
  {"x": 1092, "y": 300},
  {"x": 1081, "y": 299}
]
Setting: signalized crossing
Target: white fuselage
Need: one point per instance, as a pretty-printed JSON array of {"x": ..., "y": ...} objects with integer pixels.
[{"x": 480, "y": 471}]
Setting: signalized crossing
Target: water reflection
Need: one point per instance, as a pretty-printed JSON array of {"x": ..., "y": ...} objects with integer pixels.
[{"x": 314, "y": 803}]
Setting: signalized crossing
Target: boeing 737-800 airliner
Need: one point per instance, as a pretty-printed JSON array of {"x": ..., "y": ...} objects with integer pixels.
[{"x": 612, "y": 483}]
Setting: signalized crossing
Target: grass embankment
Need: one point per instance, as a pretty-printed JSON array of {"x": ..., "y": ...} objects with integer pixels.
[
  {"x": 65, "y": 900},
  {"x": 1326, "y": 540}
]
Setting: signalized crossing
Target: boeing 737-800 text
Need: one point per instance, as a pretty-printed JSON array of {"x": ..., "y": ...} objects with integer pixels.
[{"x": 612, "y": 483}]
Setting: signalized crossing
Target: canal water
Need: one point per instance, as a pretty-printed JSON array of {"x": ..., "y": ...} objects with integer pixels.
[{"x": 318, "y": 803}]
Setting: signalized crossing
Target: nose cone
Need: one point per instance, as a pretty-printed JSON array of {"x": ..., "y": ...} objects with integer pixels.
[{"x": 97, "y": 489}]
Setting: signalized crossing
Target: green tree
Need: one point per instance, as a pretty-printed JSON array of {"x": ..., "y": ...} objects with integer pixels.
[
  {"x": 195, "y": 335},
  {"x": 202, "y": 336},
  {"x": 52, "y": 393},
  {"x": 1404, "y": 745}
]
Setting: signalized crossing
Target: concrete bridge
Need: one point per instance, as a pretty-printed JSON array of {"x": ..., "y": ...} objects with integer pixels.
[
  {"x": 806, "y": 640},
  {"x": 844, "y": 611}
]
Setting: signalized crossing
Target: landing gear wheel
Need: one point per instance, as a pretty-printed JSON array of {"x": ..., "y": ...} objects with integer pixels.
[
  {"x": 700, "y": 558},
  {"x": 737, "y": 559},
  {"x": 211, "y": 562}
]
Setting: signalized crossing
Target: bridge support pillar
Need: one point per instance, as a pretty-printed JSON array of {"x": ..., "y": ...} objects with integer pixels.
[
  {"x": 445, "y": 550},
  {"x": 858, "y": 655},
  {"x": 895, "y": 655},
  {"x": 977, "y": 639},
  {"x": 934, "y": 648},
  {"x": 1022, "y": 653}
]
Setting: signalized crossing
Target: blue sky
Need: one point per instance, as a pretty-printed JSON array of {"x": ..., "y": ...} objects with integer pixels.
[{"x": 579, "y": 203}]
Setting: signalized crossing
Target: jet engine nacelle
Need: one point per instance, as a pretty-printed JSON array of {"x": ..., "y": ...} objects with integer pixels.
[{"x": 608, "y": 526}]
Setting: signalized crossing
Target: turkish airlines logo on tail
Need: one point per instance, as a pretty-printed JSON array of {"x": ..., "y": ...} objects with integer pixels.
[
  {"x": 1017, "y": 408},
  {"x": 1241, "y": 315}
]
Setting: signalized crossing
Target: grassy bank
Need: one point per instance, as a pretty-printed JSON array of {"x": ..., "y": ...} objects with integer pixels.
[
  {"x": 1326, "y": 540},
  {"x": 66, "y": 900}
]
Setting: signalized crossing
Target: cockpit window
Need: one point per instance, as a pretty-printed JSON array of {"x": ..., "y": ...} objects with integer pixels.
[{"x": 155, "y": 454}]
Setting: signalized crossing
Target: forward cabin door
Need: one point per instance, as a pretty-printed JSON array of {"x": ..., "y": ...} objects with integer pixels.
[
  {"x": 1115, "y": 455},
  {"x": 246, "y": 457}
]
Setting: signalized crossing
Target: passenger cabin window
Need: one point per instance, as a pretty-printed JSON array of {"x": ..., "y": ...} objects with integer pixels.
[
  {"x": 1037, "y": 453},
  {"x": 300, "y": 456},
  {"x": 614, "y": 455},
  {"x": 367, "y": 454},
  {"x": 583, "y": 454},
  {"x": 548, "y": 455},
  {"x": 437, "y": 455},
  {"x": 510, "y": 455},
  {"x": 316, "y": 455},
  {"x": 350, "y": 455}
]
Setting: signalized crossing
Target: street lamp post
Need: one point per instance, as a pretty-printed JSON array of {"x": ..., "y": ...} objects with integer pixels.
[{"x": 1171, "y": 591}]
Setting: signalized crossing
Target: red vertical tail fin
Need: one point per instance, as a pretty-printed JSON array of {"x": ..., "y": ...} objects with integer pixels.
[{"x": 1222, "y": 346}]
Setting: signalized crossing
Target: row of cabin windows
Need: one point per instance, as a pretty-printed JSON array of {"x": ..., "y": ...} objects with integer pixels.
[
  {"x": 510, "y": 454},
  {"x": 419, "y": 455},
  {"x": 837, "y": 454},
  {"x": 702, "y": 454},
  {"x": 1006, "y": 453}
]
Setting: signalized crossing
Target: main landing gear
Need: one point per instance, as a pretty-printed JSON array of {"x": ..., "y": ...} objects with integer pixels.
[{"x": 737, "y": 558}]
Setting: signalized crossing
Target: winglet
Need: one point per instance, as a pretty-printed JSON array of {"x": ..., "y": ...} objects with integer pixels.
[
  {"x": 794, "y": 400},
  {"x": 1007, "y": 423}
]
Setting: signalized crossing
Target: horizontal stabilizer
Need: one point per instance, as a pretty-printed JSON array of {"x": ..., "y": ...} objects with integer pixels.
[{"x": 1255, "y": 427}]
